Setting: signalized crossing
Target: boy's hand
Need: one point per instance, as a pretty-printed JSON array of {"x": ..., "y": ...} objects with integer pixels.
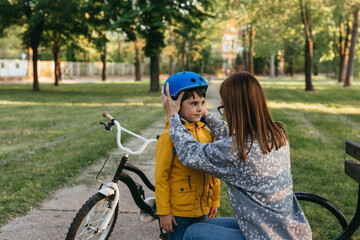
[
  {"x": 171, "y": 107},
  {"x": 166, "y": 222},
  {"x": 213, "y": 212}
]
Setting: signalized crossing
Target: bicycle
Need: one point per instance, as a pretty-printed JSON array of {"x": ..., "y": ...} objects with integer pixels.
[{"x": 97, "y": 217}]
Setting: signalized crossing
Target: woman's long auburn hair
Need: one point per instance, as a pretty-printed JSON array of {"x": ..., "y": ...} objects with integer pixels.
[{"x": 248, "y": 116}]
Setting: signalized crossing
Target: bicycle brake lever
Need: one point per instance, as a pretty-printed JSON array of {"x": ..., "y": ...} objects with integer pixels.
[{"x": 108, "y": 126}]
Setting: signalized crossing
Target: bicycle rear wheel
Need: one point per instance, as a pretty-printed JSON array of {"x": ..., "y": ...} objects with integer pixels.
[{"x": 90, "y": 217}]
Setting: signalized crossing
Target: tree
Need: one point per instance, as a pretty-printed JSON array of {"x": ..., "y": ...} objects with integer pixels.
[
  {"x": 7, "y": 11},
  {"x": 98, "y": 21},
  {"x": 62, "y": 27},
  {"x": 137, "y": 61},
  {"x": 171, "y": 50},
  {"x": 251, "y": 46},
  {"x": 343, "y": 49},
  {"x": 11, "y": 44},
  {"x": 155, "y": 17},
  {"x": 342, "y": 34},
  {"x": 255, "y": 20},
  {"x": 306, "y": 19},
  {"x": 31, "y": 15},
  {"x": 354, "y": 37},
  {"x": 191, "y": 43},
  {"x": 124, "y": 16}
]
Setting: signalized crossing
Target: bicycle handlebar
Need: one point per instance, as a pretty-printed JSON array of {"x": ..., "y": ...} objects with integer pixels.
[
  {"x": 108, "y": 116},
  {"x": 118, "y": 137}
]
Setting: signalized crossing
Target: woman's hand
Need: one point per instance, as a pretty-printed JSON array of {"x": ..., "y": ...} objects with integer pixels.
[
  {"x": 166, "y": 222},
  {"x": 206, "y": 113},
  {"x": 171, "y": 107}
]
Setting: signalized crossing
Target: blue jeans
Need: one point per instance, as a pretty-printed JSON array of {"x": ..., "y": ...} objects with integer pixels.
[
  {"x": 183, "y": 223},
  {"x": 222, "y": 228}
]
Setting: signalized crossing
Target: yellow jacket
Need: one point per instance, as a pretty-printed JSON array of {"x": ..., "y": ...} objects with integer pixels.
[{"x": 181, "y": 190}]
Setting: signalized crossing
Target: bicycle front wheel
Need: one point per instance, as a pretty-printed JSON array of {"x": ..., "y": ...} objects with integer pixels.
[{"x": 88, "y": 220}]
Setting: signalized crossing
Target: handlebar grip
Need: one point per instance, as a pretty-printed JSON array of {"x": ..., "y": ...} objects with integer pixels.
[{"x": 108, "y": 116}]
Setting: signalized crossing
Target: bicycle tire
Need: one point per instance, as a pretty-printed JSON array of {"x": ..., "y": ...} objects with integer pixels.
[{"x": 80, "y": 227}]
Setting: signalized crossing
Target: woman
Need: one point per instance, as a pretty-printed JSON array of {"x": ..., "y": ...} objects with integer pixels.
[{"x": 251, "y": 154}]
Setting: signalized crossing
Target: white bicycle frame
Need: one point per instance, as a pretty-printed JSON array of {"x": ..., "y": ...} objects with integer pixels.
[{"x": 111, "y": 188}]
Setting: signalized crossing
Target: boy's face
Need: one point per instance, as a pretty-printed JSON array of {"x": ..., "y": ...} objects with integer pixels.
[{"x": 192, "y": 109}]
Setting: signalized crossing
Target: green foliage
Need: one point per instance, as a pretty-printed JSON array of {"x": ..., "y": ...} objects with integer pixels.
[
  {"x": 123, "y": 17},
  {"x": 49, "y": 136},
  {"x": 154, "y": 17},
  {"x": 65, "y": 23},
  {"x": 11, "y": 45},
  {"x": 79, "y": 26},
  {"x": 98, "y": 23},
  {"x": 6, "y": 12}
]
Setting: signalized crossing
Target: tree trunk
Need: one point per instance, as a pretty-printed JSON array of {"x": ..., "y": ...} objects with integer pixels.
[
  {"x": 308, "y": 65},
  {"x": 350, "y": 68},
  {"x": 30, "y": 63},
  {"x": 137, "y": 62},
  {"x": 183, "y": 56},
  {"x": 171, "y": 65},
  {"x": 305, "y": 14},
  {"x": 119, "y": 49},
  {"x": 103, "y": 60},
  {"x": 341, "y": 50},
  {"x": 171, "y": 57},
  {"x": 57, "y": 62},
  {"x": 291, "y": 63},
  {"x": 36, "y": 86},
  {"x": 251, "y": 48},
  {"x": 345, "y": 60},
  {"x": 187, "y": 66},
  {"x": 35, "y": 37},
  {"x": 201, "y": 72},
  {"x": 272, "y": 66},
  {"x": 315, "y": 67},
  {"x": 244, "y": 53},
  {"x": 154, "y": 74},
  {"x": 87, "y": 64}
]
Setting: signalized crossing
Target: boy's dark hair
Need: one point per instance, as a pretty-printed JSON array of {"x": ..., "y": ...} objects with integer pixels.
[{"x": 201, "y": 91}]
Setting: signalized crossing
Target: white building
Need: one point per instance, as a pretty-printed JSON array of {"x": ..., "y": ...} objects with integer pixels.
[{"x": 13, "y": 68}]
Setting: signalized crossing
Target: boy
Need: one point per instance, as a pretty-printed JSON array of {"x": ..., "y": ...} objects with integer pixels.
[{"x": 184, "y": 195}]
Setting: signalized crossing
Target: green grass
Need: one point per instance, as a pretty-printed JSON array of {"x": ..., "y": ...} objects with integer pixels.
[
  {"x": 49, "y": 136},
  {"x": 318, "y": 124}
]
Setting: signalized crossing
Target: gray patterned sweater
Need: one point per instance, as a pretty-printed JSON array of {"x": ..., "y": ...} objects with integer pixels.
[{"x": 260, "y": 189}]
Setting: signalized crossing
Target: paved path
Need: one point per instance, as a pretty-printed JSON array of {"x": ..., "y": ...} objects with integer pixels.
[{"x": 52, "y": 219}]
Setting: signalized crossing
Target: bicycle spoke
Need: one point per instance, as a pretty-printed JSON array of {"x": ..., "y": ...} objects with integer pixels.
[{"x": 93, "y": 221}]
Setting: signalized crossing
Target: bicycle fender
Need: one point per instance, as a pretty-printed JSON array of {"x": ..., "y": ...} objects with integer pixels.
[{"x": 106, "y": 190}]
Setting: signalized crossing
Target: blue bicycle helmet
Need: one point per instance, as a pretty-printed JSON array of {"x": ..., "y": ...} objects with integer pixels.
[{"x": 181, "y": 81}]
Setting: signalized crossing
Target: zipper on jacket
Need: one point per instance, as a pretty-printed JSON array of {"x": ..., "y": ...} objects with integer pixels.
[
  {"x": 210, "y": 189},
  {"x": 202, "y": 194},
  {"x": 203, "y": 189},
  {"x": 196, "y": 132},
  {"x": 208, "y": 196},
  {"x": 189, "y": 181}
]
